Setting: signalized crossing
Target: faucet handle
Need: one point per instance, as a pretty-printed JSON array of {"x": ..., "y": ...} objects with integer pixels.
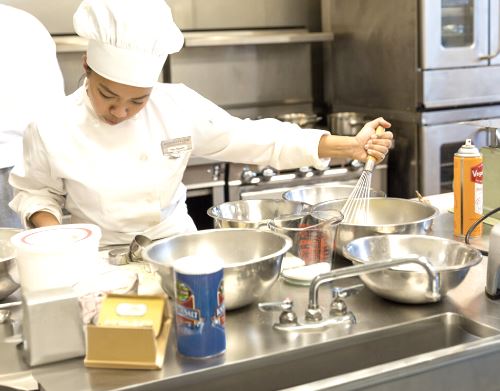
[
  {"x": 287, "y": 315},
  {"x": 343, "y": 292},
  {"x": 338, "y": 307},
  {"x": 285, "y": 305}
]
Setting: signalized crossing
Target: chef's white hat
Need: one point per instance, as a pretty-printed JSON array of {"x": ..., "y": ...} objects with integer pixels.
[{"x": 129, "y": 40}]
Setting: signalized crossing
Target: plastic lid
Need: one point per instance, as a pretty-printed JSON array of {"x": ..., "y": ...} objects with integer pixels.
[
  {"x": 198, "y": 265},
  {"x": 56, "y": 237}
]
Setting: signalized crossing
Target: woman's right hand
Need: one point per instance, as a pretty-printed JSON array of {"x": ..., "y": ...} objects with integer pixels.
[
  {"x": 358, "y": 147},
  {"x": 371, "y": 144}
]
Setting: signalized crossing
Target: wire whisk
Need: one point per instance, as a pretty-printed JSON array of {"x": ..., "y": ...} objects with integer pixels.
[{"x": 356, "y": 208}]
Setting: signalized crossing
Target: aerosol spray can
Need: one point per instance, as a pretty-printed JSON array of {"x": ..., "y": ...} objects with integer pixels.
[{"x": 467, "y": 189}]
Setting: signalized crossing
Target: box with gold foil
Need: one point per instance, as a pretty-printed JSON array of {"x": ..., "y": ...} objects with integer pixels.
[{"x": 131, "y": 332}]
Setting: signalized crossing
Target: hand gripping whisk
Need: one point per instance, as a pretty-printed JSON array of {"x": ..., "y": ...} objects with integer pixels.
[{"x": 355, "y": 210}]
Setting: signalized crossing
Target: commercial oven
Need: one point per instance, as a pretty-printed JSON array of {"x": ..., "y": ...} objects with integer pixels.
[
  {"x": 254, "y": 182},
  {"x": 428, "y": 66},
  {"x": 459, "y": 52},
  {"x": 425, "y": 144},
  {"x": 205, "y": 181}
]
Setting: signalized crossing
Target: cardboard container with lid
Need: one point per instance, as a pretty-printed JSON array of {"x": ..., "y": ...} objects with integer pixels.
[{"x": 131, "y": 333}]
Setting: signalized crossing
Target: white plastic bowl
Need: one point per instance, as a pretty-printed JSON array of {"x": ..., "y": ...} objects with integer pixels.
[{"x": 56, "y": 256}]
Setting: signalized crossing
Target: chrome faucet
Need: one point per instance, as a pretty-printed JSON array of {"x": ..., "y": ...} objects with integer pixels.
[
  {"x": 338, "y": 313},
  {"x": 313, "y": 312}
]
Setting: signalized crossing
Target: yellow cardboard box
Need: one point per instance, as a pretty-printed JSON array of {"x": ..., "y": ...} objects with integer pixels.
[{"x": 132, "y": 332}]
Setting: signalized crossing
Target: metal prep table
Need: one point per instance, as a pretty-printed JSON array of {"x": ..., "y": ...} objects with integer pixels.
[{"x": 254, "y": 348}]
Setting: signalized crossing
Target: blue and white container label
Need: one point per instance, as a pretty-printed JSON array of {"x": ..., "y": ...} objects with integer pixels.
[{"x": 199, "y": 307}]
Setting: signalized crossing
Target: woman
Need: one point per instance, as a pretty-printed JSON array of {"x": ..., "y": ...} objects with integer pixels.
[{"x": 115, "y": 153}]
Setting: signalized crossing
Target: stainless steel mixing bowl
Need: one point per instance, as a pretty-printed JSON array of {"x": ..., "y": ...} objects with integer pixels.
[
  {"x": 252, "y": 213},
  {"x": 409, "y": 283},
  {"x": 252, "y": 259},
  {"x": 384, "y": 216},
  {"x": 324, "y": 192},
  {"x": 7, "y": 262}
]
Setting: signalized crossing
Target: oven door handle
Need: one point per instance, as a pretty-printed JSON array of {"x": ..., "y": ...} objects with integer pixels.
[{"x": 489, "y": 56}]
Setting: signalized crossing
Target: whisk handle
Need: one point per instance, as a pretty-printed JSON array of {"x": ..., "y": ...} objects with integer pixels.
[
  {"x": 370, "y": 162},
  {"x": 379, "y": 131}
]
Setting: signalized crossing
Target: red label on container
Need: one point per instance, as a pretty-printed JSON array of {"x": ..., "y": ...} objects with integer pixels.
[{"x": 476, "y": 173}]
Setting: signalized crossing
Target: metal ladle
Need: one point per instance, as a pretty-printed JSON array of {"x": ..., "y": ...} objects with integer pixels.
[
  {"x": 4, "y": 316},
  {"x": 136, "y": 247},
  {"x": 5, "y": 310}
]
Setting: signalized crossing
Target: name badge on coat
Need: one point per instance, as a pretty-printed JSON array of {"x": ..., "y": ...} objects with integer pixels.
[{"x": 173, "y": 148}]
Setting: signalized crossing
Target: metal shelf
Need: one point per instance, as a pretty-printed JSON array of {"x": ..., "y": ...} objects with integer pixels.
[
  {"x": 74, "y": 43},
  {"x": 70, "y": 43},
  {"x": 254, "y": 37}
]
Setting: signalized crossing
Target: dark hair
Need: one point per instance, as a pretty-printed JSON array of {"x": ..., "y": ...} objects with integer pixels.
[{"x": 84, "y": 75}]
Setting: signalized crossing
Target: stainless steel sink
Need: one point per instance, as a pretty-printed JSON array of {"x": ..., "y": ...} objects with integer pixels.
[{"x": 422, "y": 338}]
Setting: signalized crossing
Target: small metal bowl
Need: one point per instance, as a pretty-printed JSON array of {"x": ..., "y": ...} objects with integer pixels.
[
  {"x": 409, "y": 283},
  {"x": 253, "y": 213},
  {"x": 252, "y": 259}
]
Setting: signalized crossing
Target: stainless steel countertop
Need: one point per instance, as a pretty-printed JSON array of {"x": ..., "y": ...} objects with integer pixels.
[{"x": 250, "y": 335}]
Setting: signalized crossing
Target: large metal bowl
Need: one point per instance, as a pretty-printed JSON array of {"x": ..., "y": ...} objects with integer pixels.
[
  {"x": 316, "y": 194},
  {"x": 7, "y": 262},
  {"x": 252, "y": 259},
  {"x": 408, "y": 283},
  {"x": 384, "y": 216},
  {"x": 252, "y": 213}
]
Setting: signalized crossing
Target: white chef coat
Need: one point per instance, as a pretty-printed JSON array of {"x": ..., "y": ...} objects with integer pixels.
[
  {"x": 117, "y": 176},
  {"x": 30, "y": 78}
]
